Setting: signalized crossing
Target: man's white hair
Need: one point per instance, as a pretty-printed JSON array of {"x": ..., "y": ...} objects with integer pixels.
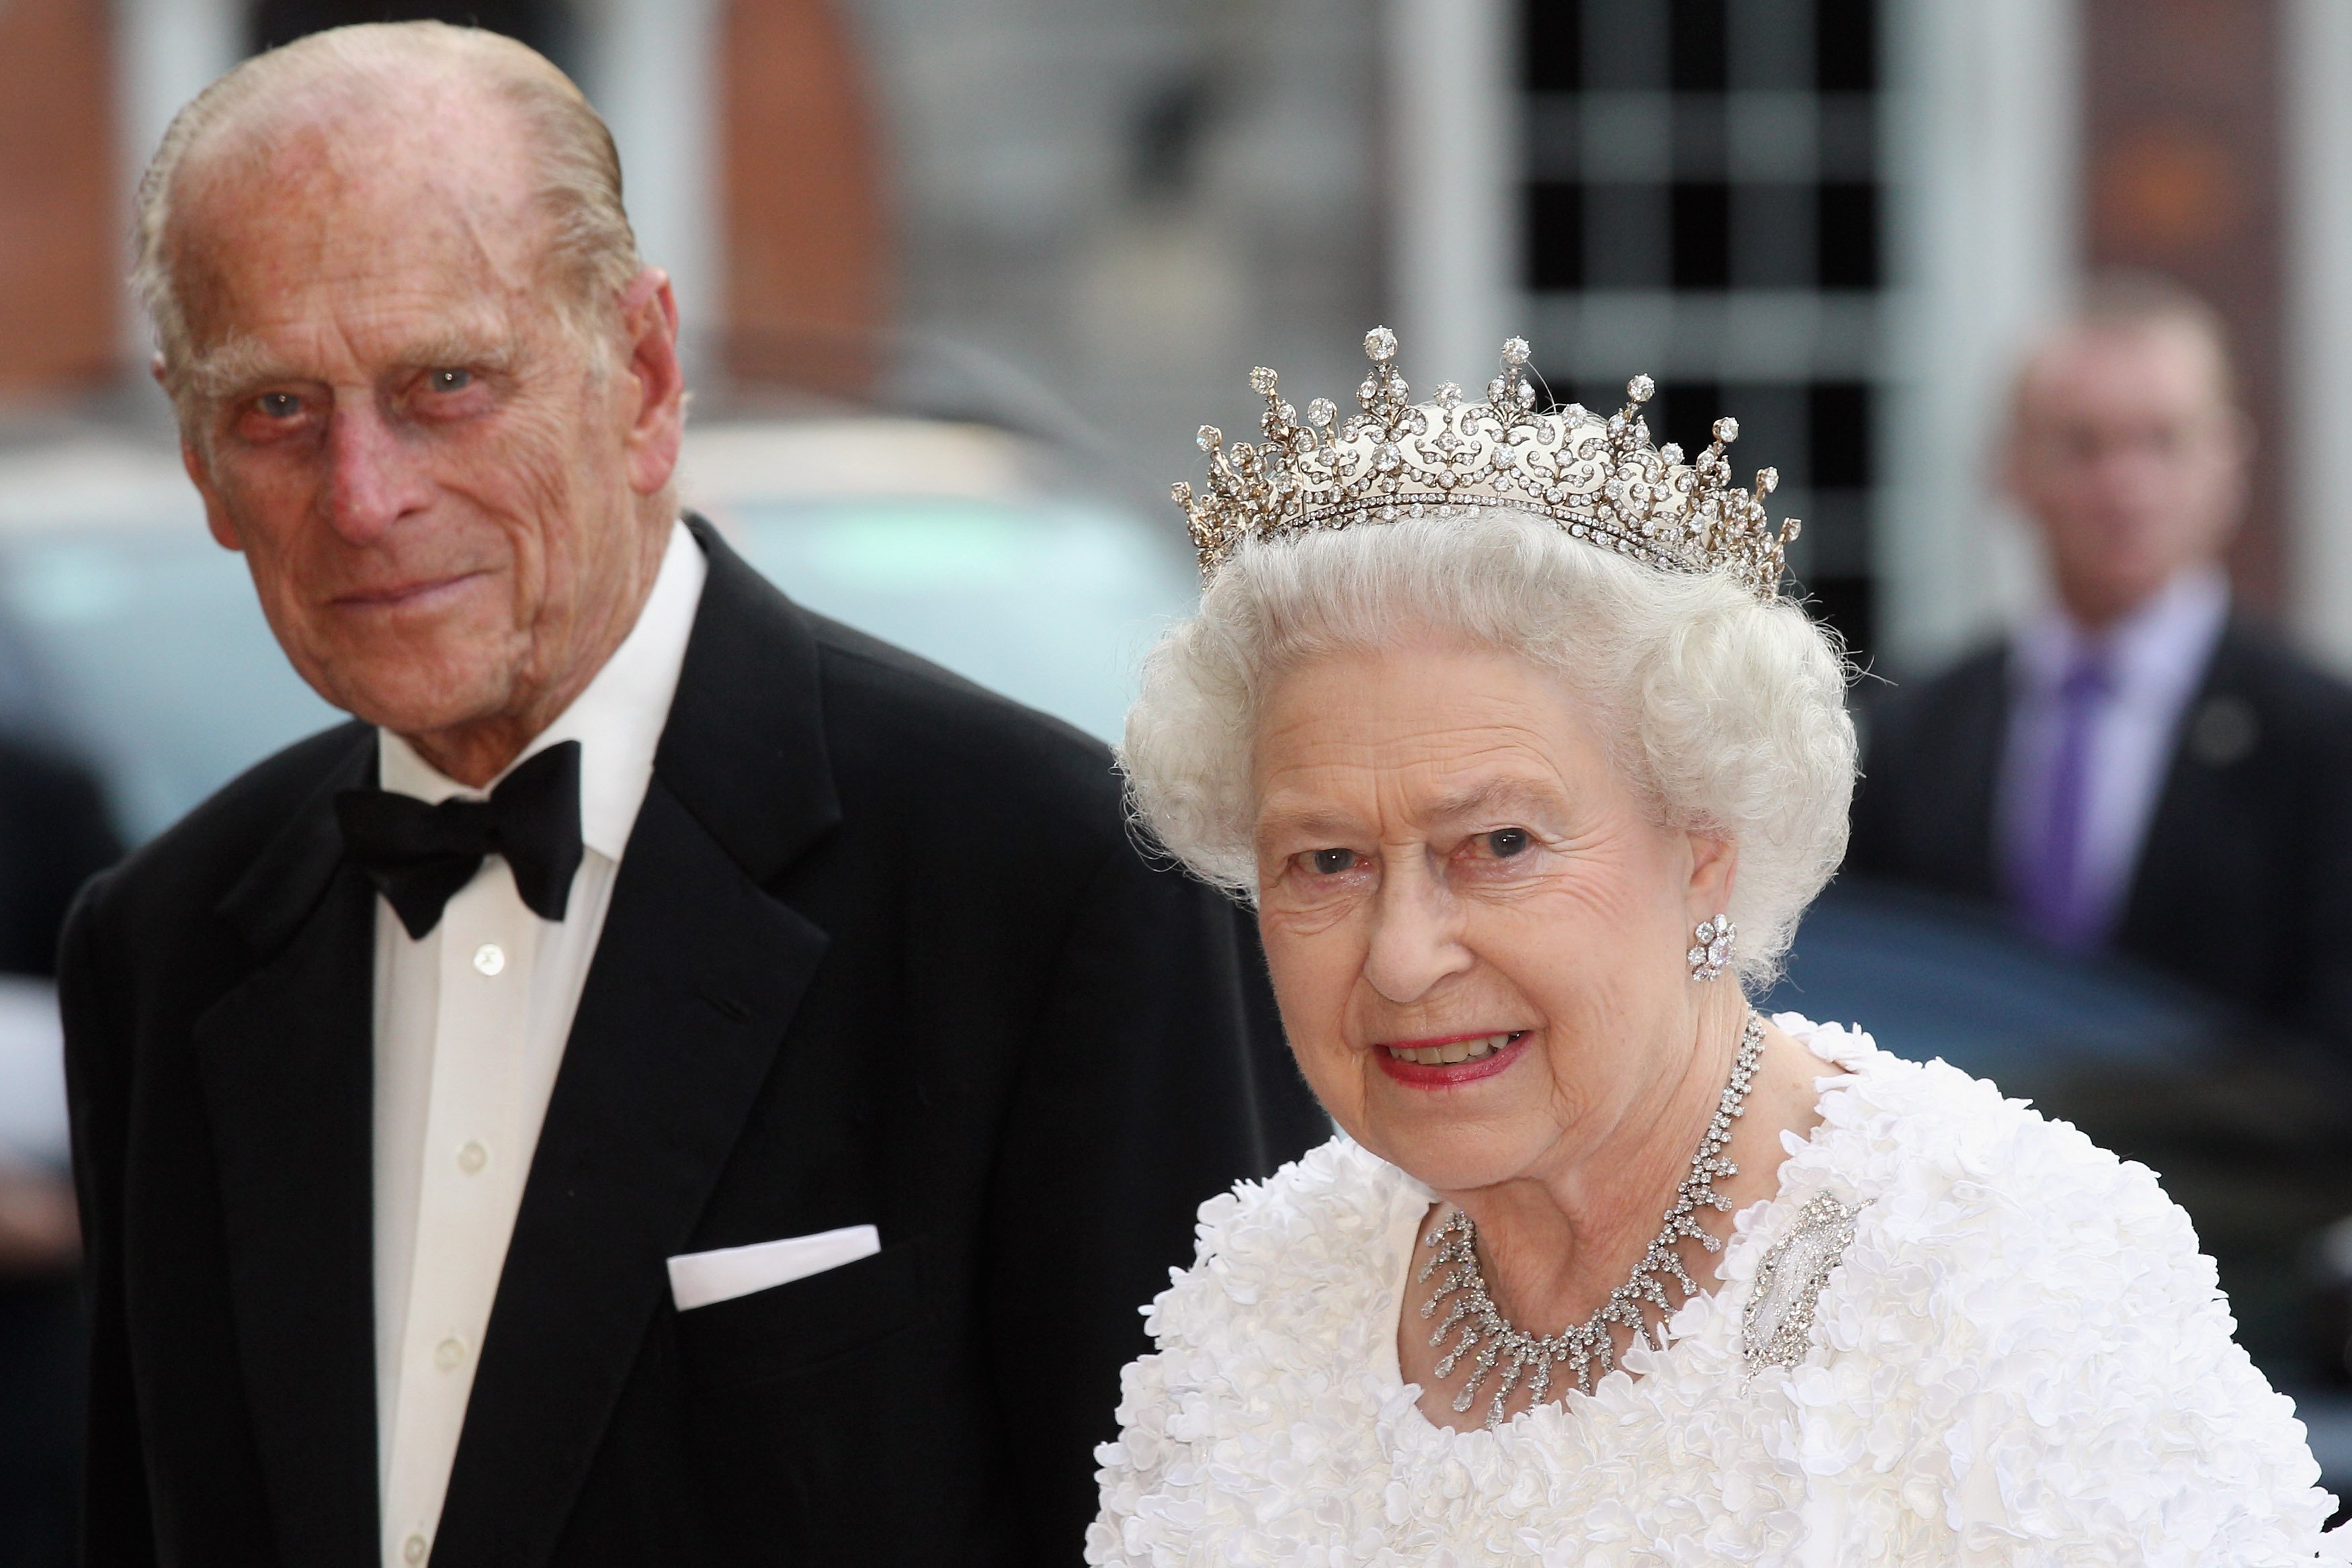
[
  {"x": 592, "y": 251},
  {"x": 1726, "y": 715}
]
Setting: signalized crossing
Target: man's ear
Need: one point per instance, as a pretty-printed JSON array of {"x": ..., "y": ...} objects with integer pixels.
[
  {"x": 223, "y": 532},
  {"x": 658, "y": 425}
]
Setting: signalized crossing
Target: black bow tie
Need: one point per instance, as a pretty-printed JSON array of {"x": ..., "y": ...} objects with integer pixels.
[{"x": 419, "y": 854}]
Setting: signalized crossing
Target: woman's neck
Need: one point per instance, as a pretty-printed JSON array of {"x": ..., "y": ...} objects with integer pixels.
[
  {"x": 1552, "y": 1237},
  {"x": 1555, "y": 1244}
]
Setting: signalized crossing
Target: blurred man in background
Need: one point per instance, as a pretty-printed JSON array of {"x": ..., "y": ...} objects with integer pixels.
[
  {"x": 55, "y": 833},
  {"x": 2135, "y": 767}
]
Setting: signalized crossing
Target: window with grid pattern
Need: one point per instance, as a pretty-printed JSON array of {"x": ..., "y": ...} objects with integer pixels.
[{"x": 1702, "y": 203}]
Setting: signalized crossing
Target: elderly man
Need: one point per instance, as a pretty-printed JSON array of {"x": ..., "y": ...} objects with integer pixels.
[
  {"x": 677, "y": 1081},
  {"x": 2135, "y": 767}
]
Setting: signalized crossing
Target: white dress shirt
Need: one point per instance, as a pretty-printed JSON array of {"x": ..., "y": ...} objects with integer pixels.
[
  {"x": 2156, "y": 660},
  {"x": 470, "y": 1025}
]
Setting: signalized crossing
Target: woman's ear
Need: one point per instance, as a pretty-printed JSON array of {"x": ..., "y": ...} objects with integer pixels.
[{"x": 1714, "y": 865}]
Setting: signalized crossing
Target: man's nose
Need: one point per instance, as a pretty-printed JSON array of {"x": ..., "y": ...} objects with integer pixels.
[
  {"x": 1416, "y": 939},
  {"x": 373, "y": 479}
]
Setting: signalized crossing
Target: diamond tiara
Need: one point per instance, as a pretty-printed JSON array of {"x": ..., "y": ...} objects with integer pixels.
[{"x": 1602, "y": 480}]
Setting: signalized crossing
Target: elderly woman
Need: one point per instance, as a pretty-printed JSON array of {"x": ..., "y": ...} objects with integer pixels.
[{"x": 1500, "y": 719}]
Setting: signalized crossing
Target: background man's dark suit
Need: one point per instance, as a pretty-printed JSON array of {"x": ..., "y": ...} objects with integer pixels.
[
  {"x": 881, "y": 950},
  {"x": 2245, "y": 875}
]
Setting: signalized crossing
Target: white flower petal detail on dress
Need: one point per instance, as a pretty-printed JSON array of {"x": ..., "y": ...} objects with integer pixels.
[{"x": 2019, "y": 1358}]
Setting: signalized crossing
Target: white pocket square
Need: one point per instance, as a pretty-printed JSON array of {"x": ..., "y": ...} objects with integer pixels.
[{"x": 702, "y": 1279}]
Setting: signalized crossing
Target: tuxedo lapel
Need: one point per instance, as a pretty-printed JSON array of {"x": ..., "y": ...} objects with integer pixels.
[
  {"x": 285, "y": 1063},
  {"x": 696, "y": 978}
]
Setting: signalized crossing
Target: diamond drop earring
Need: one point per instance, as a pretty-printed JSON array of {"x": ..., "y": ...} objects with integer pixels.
[{"x": 1714, "y": 950}]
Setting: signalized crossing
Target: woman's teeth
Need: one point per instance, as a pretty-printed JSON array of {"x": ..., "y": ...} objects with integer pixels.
[{"x": 1453, "y": 1050}]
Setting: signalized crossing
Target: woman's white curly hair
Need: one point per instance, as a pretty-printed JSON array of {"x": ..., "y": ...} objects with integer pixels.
[{"x": 1726, "y": 714}]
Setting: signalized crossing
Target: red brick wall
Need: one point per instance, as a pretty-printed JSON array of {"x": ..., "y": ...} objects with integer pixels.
[
  {"x": 2184, "y": 164},
  {"x": 61, "y": 232},
  {"x": 807, "y": 253}
]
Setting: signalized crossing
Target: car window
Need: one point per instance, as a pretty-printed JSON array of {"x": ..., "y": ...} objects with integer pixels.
[{"x": 1052, "y": 602}]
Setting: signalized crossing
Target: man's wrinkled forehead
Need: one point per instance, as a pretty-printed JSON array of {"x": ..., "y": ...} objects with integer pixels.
[{"x": 351, "y": 201}]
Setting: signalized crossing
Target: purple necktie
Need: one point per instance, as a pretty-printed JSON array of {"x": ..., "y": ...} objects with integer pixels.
[{"x": 2050, "y": 896}]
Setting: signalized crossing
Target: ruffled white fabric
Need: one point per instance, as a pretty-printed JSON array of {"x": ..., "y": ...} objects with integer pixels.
[{"x": 2023, "y": 1359}]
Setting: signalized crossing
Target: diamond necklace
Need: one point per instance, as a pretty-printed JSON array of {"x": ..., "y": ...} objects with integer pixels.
[{"x": 1453, "y": 1247}]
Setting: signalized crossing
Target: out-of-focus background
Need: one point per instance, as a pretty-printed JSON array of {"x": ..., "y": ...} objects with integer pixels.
[{"x": 960, "y": 279}]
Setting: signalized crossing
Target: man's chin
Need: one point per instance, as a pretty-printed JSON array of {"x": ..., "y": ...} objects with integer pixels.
[
  {"x": 411, "y": 672},
  {"x": 418, "y": 703}
]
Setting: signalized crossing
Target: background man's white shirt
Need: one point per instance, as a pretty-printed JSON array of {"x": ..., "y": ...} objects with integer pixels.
[
  {"x": 2155, "y": 658},
  {"x": 470, "y": 1025}
]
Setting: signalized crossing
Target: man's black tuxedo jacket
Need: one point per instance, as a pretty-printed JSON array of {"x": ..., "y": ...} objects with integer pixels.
[
  {"x": 2246, "y": 869},
  {"x": 880, "y": 950}
]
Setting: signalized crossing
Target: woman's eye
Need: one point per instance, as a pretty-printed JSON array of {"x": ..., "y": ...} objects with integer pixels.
[
  {"x": 1504, "y": 843},
  {"x": 449, "y": 380},
  {"x": 1331, "y": 863}
]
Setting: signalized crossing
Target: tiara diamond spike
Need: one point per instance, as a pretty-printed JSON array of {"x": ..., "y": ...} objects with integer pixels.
[{"x": 1602, "y": 481}]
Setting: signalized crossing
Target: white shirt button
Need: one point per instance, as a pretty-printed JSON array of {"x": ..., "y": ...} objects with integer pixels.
[
  {"x": 489, "y": 957},
  {"x": 413, "y": 1548},
  {"x": 449, "y": 1354},
  {"x": 472, "y": 1158}
]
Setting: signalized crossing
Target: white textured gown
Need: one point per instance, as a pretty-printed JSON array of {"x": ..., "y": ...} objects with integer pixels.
[{"x": 2020, "y": 1357}]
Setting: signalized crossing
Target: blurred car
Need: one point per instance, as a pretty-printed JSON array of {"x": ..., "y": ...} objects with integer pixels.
[
  {"x": 960, "y": 542},
  {"x": 2245, "y": 1126}
]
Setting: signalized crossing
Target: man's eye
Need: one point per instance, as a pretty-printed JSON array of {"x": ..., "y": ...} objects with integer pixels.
[
  {"x": 1331, "y": 863},
  {"x": 1504, "y": 843},
  {"x": 449, "y": 380},
  {"x": 278, "y": 405}
]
